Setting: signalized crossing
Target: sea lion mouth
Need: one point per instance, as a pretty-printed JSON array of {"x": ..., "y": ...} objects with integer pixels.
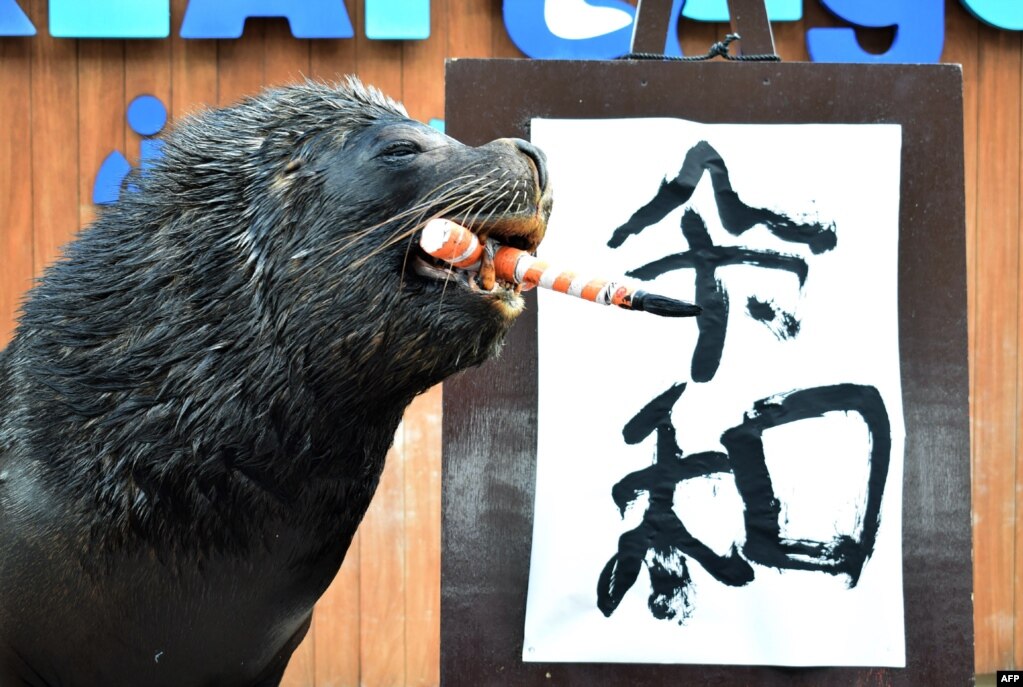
[
  {"x": 480, "y": 278},
  {"x": 524, "y": 232},
  {"x": 507, "y": 206}
]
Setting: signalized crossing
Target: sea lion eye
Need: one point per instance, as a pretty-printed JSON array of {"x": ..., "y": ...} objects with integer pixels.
[{"x": 399, "y": 150}]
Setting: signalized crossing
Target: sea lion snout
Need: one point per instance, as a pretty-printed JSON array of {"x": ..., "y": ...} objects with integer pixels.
[
  {"x": 539, "y": 160},
  {"x": 524, "y": 189}
]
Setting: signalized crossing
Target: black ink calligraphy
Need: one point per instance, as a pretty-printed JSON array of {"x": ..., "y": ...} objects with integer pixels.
[
  {"x": 704, "y": 257},
  {"x": 661, "y": 541},
  {"x": 782, "y": 324},
  {"x": 846, "y": 553},
  {"x": 736, "y": 216}
]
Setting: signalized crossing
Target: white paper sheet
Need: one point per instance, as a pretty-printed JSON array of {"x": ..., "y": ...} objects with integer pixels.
[{"x": 599, "y": 366}]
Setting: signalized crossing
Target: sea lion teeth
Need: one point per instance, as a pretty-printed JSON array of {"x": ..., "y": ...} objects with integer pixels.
[
  {"x": 447, "y": 273},
  {"x": 488, "y": 275}
]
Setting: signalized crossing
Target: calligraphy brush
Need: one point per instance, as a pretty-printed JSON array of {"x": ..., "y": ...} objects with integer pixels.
[{"x": 456, "y": 245}]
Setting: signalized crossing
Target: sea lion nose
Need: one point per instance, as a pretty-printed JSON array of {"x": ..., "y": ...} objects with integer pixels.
[{"x": 538, "y": 158}]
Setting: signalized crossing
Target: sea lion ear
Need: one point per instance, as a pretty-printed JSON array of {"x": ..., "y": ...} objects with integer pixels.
[{"x": 286, "y": 177}]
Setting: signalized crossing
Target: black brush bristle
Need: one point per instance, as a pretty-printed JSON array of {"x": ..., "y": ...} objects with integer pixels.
[{"x": 664, "y": 306}]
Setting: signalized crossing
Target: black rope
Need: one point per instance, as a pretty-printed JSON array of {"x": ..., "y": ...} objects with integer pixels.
[{"x": 719, "y": 49}]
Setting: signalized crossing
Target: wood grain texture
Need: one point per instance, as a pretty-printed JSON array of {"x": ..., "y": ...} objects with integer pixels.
[
  {"x": 101, "y": 114},
  {"x": 790, "y": 40},
  {"x": 332, "y": 60},
  {"x": 501, "y": 43},
  {"x": 301, "y": 669},
  {"x": 1017, "y": 229},
  {"x": 382, "y": 576},
  {"x": 378, "y": 63},
  {"x": 422, "y": 68},
  {"x": 15, "y": 180},
  {"x": 696, "y": 37},
  {"x": 193, "y": 68},
  {"x": 422, "y": 539},
  {"x": 996, "y": 414},
  {"x": 336, "y": 627},
  {"x": 55, "y": 124},
  {"x": 287, "y": 59},
  {"x": 470, "y": 28},
  {"x": 962, "y": 47},
  {"x": 240, "y": 64}
]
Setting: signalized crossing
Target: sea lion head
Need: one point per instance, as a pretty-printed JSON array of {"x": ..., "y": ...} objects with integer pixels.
[{"x": 308, "y": 201}]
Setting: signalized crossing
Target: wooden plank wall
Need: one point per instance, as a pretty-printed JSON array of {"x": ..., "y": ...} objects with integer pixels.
[{"x": 62, "y": 110}]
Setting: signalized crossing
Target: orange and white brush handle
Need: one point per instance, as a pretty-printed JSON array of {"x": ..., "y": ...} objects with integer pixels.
[{"x": 454, "y": 244}]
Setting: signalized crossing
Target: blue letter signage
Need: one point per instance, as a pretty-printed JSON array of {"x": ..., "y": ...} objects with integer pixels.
[
  {"x": 226, "y": 18},
  {"x": 717, "y": 10},
  {"x": 562, "y": 29},
  {"x": 919, "y": 31},
  {"x": 578, "y": 29},
  {"x": 1005, "y": 14},
  {"x": 110, "y": 18},
  {"x": 401, "y": 20},
  {"x": 13, "y": 21},
  {"x": 570, "y": 30}
]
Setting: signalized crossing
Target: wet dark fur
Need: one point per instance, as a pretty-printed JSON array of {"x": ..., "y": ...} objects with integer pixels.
[{"x": 195, "y": 408}]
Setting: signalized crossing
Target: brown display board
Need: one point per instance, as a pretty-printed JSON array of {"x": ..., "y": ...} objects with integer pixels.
[{"x": 490, "y": 413}]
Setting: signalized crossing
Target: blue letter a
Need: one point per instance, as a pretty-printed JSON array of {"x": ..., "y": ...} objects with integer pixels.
[
  {"x": 13, "y": 21},
  {"x": 226, "y": 18},
  {"x": 919, "y": 31}
]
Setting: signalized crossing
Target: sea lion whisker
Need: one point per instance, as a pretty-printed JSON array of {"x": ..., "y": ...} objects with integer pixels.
[
  {"x": 400, "y": 234},
  {"x": 346, "y": 242},
  {"x": 497, "y": 193},
  {"x": 429, "y": 195},
  {"x": 414, "y": 227},
  {"x": 511, "y": 203},
  {"x": 428, "y": 199}
]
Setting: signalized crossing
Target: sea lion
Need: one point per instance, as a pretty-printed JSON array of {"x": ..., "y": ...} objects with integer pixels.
[{"x": 196, "y": 405}]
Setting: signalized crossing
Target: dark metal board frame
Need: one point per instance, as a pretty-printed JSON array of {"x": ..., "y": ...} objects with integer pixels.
[{"x": 490, "y": 413}]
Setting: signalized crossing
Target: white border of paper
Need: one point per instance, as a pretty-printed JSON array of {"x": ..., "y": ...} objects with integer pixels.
[{"x": 598, "y": 366}]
